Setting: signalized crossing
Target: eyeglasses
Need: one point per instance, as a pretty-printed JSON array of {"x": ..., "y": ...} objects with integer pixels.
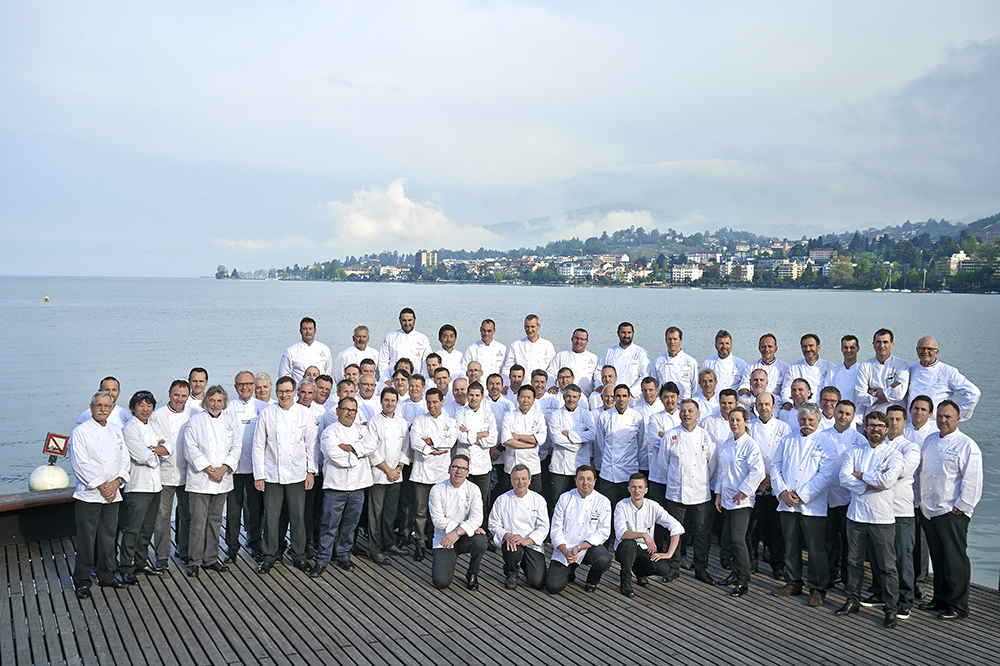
[
  {"x": 347, "y": 410},
  {"x": 243, "y": 384},
  {"x": 286, "y": 392},
  {"x": 877, "y": 426},
  {"x": 459, "y": 469}
]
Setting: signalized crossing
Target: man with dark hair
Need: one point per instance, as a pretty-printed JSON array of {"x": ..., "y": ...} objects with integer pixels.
[
  {"x": 532, "y": 351},
  {"x": 581, "y": 523},
  {"x": 450, "y": 358},
  {"x": 619, "y": 438},
  {"x": 456, "y": 511},
  {"x": 730, "y": 370},
  {"x": 883, "y": 379},
  {"x": 487, "y": 351},
  {"x": 198, "y": 381},
  {"x": 571, "y": 433},
  {"x": 676, "y": 365},
  {"x": 581, "y": 362},
  {"x": 119, "y": 417},
  {"x": 630, "y": 360},
  {"x": 519, "y": 523},
  {"x": 845, "y": 375},
  {"x": 305, "y": 353},
  {"x": 522, "y": 431},
  {"x": 404, "y": 342},
  {"x": 635, "y": 547},
  {"x": 388, "y": 431},
  {"x": 477, "y": 435},
  {"x": 811, "y": 367},
  {"x": 432, "y": 437},
  {"x": 171, "y": 419}
]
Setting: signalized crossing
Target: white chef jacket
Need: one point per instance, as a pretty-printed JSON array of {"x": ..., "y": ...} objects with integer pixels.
[
  {"x": 453, "y": 361},
  {"x": 940, "y": 381},
  {"x": 775, "y": 370},
  {"x": 804, "y": 464},
  {"x": 846, "y": 379},
  {"x": 707, "y": 406},
  {"x": 284, "y": 444},
  {"x": 352, "y": 355},
  {"x": 194, "y": 404},
  {"x": 389, "y": 437},
  {"x": 244, "y": 415},
  {"x": 902, "y": 491},
  {"x": 527, "y": 517},
  {"x": 413, "y": 345},
  {"x": 577, "y": 519},
  {"x": 411, "y": 410},
  {"x": 819, "y": 377},
  {"x": 489, "y": 356},
  {"x": 499, "y": 409},
  {"x": 918, "y": 435},
  {"x": 681, "y": 370},
  {"x": 661, "y": 422},
  {"x": 646, "y": 411},
  {"x": 842, "y": 442},
  {"x": 451, "y": 507},
  {"x": 880, "y": 466},
  {"x": 689, "y": 461},
  {"x": 584, "y": 366},
  {"x": 768, "y": 436},
  {"x": 717, "y": 427},
  {"x": 478, "y": 450},
  {"x": 173, "y": 468},
  {"x": 144, "y": 471},
  {"x": 740, "y": 470},
  {"x": 532, "y": 423},
  {"x": 872, "y": 374},
  {"x": 643, "y": 520},
  {"x": 118, "y": 417},
  {"x": 568, "y": 453},
  {"x": 443, "y": 433},
  {"x": 97, "y": 454},
  {"x": 730, "y": 371},
  {"x": 951, "y": 474},
  {"x": 619, "y": 437},
  {"x": 347, "y": 470},
  {"x": 211, "y": 442},
  {"x": 632, "y": 364},
  {"x": 300, "y": 356},
  {"x": 530, "y": 355}
]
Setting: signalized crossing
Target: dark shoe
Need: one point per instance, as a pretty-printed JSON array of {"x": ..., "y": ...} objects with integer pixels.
[
  {"x": 130, "y": 579},
  {"x": 418, "y": 552},
  {"x": 492, "y": 547},
  {"x": 231, "y": 554},
  {"x": 264, "y": 568},
  {"x": 163, "y": 565},
  {"x": 671, "y": 577},
  {"x": 346, "y": 565},
  {"x": 729, "y": 580},
  {"x": 396, "y": 550},
  {"x": 83, "y": 592},
  {"x": 148, "y": 570},
  {"x": 918, "y": 593},
  {"x": 786, "y": 591},
  {"x": 739, "y": 591},
  {"x": 303, "y": 565},
  {"x": 590, "y": 587},
  {"x": 510, "y": 581},
  {"x": 218, "y": 567},
  {"x": 115, "y": 585},
  {"x": 903, "y": 613},
  {"x": 257, "y": 554},
  {"x": 815, "y": 599},
  {"x": 311, "y": 553},
  {"x": 777, "y": 573},
  {"x": 572, "y": 576},
  {"x": 642, "y": 581},
  {"x": 472, "y": 582},
  {"x": 685, "y": 564},
  {"x": 933, "y": 606},
  {"x": 191, "y": 571},
  {"x": 626, "y": 590},
  {"x": 379, "y": 558},
  {"x": 872, "y": 601},
  {"x": 890, "y": 620},
  {"x": 317, "y": 571},
  {"x": 848, "y": 608},
  {"x": 952, "y": 614},
  {"x": 704, "y": 577}
]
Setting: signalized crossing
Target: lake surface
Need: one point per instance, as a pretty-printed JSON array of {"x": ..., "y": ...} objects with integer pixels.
[{"x": 148, "y": 332}]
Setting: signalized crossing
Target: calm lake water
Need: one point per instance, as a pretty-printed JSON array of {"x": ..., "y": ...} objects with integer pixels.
[{"x": 148, "y": 332}]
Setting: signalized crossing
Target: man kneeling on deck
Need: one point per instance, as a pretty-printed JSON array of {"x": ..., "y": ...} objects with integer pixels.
[
  {"x": 456, "y": 509},
  {"x": 519, "y": 523},
  {"x": 581, "y": 524},
  {"x": 635, "y": 519}
]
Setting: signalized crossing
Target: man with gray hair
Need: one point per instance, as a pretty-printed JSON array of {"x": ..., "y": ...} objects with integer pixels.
[
  {"x": 356, "y": 353},
  {"x": 801, "y": 471},
  {"x": 262, "y": 388},
  {"x": 101, "y": 465}
]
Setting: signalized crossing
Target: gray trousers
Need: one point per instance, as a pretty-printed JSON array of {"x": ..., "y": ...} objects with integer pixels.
[
  {"x": 96, "y": 527},
  {"x": 291, "y": 496},
  {"x": 878, "y": 540},
  {"x": 795, "y": 528},
  {"x": 905, "y": 535},
  {"x": 383, "y": 504},
  {"x": 738, "y": 520},
  {"x": 206, "y": 523},
  {"x": 443, "y": 565},
  {"x": 137, "y": 519},
  {"x": 341, "y": 512},
  {"x": 161, "y": 533},
  {"x": 244, "y": 504}
]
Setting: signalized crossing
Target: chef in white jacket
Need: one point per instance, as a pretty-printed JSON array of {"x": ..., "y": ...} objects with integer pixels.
[
  {"x": 519, "y": 523},
  {"x": 571, "y": 434},
  {"x": 581, "y": 523},
  {"x": 245, "y": 504},
  {"x": 477, "y": 435},
  {"x": 432, "y": 437}
]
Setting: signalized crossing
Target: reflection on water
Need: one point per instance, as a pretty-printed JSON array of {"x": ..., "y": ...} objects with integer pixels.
[{"x": 148, "y": 332}]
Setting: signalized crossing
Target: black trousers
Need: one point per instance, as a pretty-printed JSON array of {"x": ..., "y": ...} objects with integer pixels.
[
  {"x": 290, "y": 497},
  {"x": 836, "y": 542},
  {"x": 596, "y": 557},
  {"x": 96, "y": 527},
  {"x": 137, "y": 518},
  {"x": 483, "y": 482},
  {"x": 700, "y": 518},
  {"x": 635, "y": 560},
  {"x": 246, "y": 504},
  {"x": 738, "y": 520},
  {"x": 528, "y": 560},
  {"x": 658, "y": 493},
  {"x": 948, "y": 541},
  {"x": 766, "y": 527},
  {"x": 443, "y": 565},
  {"x": 879, "y": 540},
  {"x": 383, "y": 504},
  {"x": 561, "y": 483},
  {"x": 795, "y": 528},
  {"x": 616, "y": 492}
]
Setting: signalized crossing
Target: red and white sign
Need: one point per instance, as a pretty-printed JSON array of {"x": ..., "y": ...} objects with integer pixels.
[{"x": 55, "y": 445}]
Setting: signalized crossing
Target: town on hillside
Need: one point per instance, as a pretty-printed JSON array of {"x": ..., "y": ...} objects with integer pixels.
[{"x": 932, "y": 256}]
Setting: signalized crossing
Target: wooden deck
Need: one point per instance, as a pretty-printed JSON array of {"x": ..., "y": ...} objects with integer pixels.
[{"x": 392, "y": 615}]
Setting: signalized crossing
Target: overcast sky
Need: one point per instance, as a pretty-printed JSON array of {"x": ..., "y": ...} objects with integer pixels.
[{"x": 165, "y": 141}]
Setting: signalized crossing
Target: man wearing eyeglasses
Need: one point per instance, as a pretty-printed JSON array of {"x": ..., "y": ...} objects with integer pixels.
[
  {"x": 456, "y": 508},
  {"x": 940, "y": 381},
  {"x": 284, "y": 461},
  {"x": 244, "y": 498}
]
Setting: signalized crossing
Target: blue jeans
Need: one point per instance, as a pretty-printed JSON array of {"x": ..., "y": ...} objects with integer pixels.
[{"x": 341, "y": 513}]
